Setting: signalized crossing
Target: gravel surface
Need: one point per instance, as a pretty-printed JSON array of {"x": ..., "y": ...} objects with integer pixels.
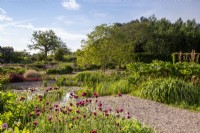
[{"x": 162, "y": 118}]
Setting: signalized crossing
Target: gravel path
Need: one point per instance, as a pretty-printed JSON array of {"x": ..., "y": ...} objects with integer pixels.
[{"x": 163, "y": 118}]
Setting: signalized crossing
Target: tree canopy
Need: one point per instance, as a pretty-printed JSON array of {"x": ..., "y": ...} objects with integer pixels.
[
  {"x": 120, "y": 42},
  {"x": 45, "y": 41}
]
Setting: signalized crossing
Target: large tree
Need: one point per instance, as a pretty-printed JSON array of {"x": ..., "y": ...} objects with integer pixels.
[{"x": 45, "y": 41}]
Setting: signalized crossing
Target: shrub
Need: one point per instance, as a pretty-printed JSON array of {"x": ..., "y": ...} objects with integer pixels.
[
  {"x": 63, "y": 70},
  {"x": 66, "y": 70},
  {"x": 16, "y": 78},
  {"x": 171, "y": 90},
  {"x": 31, "y": 74},
  {"x": 52, "y": 71}
]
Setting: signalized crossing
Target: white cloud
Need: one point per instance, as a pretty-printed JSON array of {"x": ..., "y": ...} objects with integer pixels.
[
  {"x": 70, "y": 4},
  {"x": 3, "y": 16},
  {"x": 2, "y": 11}
]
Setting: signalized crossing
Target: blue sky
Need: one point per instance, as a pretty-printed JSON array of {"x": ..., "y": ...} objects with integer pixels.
[{"x": 72, "y": 20}]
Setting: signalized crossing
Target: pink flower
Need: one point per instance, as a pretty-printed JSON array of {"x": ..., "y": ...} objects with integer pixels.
[
  {"x": 56, "y": 105},
  {"x": 40, "y": 99},
  {"x": 71, "y": 104},
  {"x": 93, "y": 131},
  {"x": 71, "y": 94},
  {"x": 50, "y": 118},
  {"x": 90, "y": 100},
  {"x": 30, "y": 115},
  {"x": 100, "y": 108},
  {"x": 37, "y": 110},
  {"x": 128, "y": 117},
  {"x": 84, "y": 94},
  {"x": 120, "y": 94},
  {"x": 77, "y": 111},
  {"x": 76, "y": 97},
  {"x": 106, "y": 111},
  {"x": 95, "y": 94},
  {"x": 95, "y": 113},
  {"x": 38, "y": 113},
  {"x": 35, "y": 123},
  {"x": 77, "y": 104},
  {"x": 84, "y": 115},
  {"x": 69, "y": 109},
  {"x": 40, "y": 96},
  {"x": 47, "y": 103},
  {"x": 100, "y": 104}
]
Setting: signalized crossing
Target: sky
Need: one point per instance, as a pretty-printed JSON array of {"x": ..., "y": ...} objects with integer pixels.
[{"x": 72, "y": 20}]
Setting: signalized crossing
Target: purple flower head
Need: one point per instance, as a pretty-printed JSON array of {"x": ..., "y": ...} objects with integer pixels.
[
  {"x": 120, "y": 94},
  {"x": 38, "y": 113},
  {"x": 47, "y": 103},
  {"x": 35, "y": 123},
  {"x": 4, "y": 125},
  {"x": 71, "y": 94},
  {"x": 56, "y": 105},
  {"x": 84, "y": 94}
]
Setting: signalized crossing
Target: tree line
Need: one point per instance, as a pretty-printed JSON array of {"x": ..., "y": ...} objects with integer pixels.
[
  {"x": 119, "y": 43},
  {"x": 50, "y": 47}
]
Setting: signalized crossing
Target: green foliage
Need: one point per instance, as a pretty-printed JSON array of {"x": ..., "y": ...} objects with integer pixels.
[
  {"x": 63, "y": 70},
  {"x": 141, "y": 40},
  {"x": 113, "y": 87},
  {"x": 19, "y": 109},
  {"x": 69, "y": 58},
  {"x": 59, "y": 54},
  {"x": 171, "y": 91},
  {"x": 183, "y": 70},
  {"x": 42, "y": 114},
  {"x": 8, "y": 70},
  {"x": 148, "y": 57},
  {"x": 45, "y": 41},
  {"x": 90, "y": 78}
]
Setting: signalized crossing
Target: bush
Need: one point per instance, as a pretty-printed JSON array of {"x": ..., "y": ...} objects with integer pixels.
[
  {"x": 63, "y": 70},
  {"x": 169, "y": 90},
  {"x": 66, "y": 70},
  {"x": 31, "y": 74},
  {"x": 16, "y": 78},
  {"x": 53, "y": 71}
]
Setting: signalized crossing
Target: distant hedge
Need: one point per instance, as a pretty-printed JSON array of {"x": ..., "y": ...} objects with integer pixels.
[{"x": 63, "y": 70}]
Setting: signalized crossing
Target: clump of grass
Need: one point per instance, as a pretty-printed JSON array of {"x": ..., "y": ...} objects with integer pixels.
[
  {"x": 90, "y": 78},
  {"x": 31, "y": 74},
  {"x": 114, "y": 87},
  {"x": 171, "y": 91}
]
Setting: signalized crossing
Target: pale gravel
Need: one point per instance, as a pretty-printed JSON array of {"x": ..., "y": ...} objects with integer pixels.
[{"x": 162, "y": 118}]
